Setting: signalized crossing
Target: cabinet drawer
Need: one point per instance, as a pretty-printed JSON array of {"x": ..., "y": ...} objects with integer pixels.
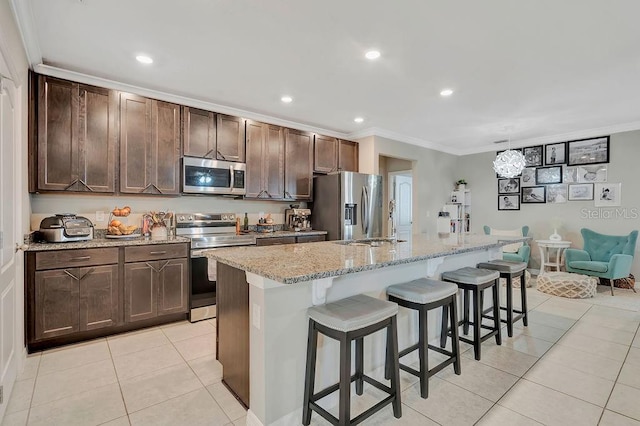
[
  {"x": 155, "y": 252},
  {"x": 73, "y": 258},
  {"x": 275, "y": 241},
  {"x": 310, "y": 238}
]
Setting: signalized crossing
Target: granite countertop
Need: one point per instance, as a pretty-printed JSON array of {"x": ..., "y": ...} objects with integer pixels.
[
  {"x": 103, "y": 242},
  {"x": 295, "y": 263}
]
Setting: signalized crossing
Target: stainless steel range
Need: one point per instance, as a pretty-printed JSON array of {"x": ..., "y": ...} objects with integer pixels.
[{"x": 207, "y": 231}]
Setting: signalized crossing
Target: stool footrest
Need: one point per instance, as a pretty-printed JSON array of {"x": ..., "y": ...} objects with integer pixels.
[
  {"x": 408, "y": 350},
  {"x": 482, "y": 338}
]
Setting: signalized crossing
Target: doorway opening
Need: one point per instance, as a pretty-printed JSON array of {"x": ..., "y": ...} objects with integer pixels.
[{"x": 397, "y": 175}]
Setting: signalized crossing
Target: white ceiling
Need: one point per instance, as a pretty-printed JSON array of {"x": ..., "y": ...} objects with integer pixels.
[{"x": 550, "y": 70}]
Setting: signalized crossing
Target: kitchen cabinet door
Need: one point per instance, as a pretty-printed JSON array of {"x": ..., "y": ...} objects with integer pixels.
[
  {"x": 298, "y": 160},
  {"x": 274, "y": 162},
  {"x": 173, "y": 286},
  {"x": 199, "y": 133},
  {"x": 77, "y": 137},
  {"x": 230, "y": 138},
  {"x": 325, "y": 154},
  {"x": 140, "y": 291},
  {"x": 99, "y": 297},
  {"x": 57, "y": 299},
  {"x": 149, "y": 146},
  {"x": 255, "y": 159},
  {"x": 348, "y": 156}
]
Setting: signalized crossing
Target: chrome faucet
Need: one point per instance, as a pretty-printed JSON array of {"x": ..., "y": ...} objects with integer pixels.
[{"x": 392, "y": 222}]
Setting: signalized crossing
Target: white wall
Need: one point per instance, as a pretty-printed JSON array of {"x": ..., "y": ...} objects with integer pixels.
[{"x": 574, "y": 215}]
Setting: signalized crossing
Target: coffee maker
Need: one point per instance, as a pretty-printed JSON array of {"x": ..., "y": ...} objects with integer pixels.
[{"x": 298, "y": 219}]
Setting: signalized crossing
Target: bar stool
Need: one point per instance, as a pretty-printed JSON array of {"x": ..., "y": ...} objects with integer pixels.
[
  {"x": 423, "y": 295},
  {"x": 510, "y": 270},
  {"x": 346, "y": 320},
  {"x": 475, "y": 281}
]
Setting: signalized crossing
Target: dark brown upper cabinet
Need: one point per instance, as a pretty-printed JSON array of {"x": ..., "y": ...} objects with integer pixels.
[
  {"x": 76, "y": 137},
  {"x": 348, "y": 156},
  {"x": 230, "y": 138},
  {"x": 298, "y": 160},
  {"x": 265, "y": 161},
  {"x": 149, "y": 146},
  {"x": 325, "y": 154},
  {"x": 199, "y": 133}
]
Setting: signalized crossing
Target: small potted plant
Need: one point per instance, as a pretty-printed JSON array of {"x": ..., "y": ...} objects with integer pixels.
[{"x": 461, "y": 184}]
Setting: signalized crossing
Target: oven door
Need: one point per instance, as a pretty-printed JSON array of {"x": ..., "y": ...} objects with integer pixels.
[
  {"x": 203, "y": 289},
  {"x": 203, "y": 176}
]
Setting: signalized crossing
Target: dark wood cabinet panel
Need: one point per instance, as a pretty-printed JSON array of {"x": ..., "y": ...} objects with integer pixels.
[
  {"x": 233, "y": 329},
  {"x": 56, "y": 303},
  {"x": 325, "y": 154},
  {"x": 57, "y": 259},
  {"x": 149, "y": 146},
  {"x": 173, "y": 287},
  {"x": 298, "y": 164},
  {"x": 155, "y": 252},
  {"x": 348, "y": 156},
  {"x": 230, "y": 138},
  {"x": 77, "y": 137},
  {"x": 255, "y": 132},
  {"x": 140, "y": 292},
  {"x": 310, "y": 238},
  {"x": 274, "y": 162},
  {"x": 275, "y": 241},
  {"x": 99, "y": 301},
  {"x": 199, "y": 133}
]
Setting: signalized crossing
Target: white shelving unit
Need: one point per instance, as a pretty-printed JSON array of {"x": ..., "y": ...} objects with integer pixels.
[{"x": 459, "y": 206}]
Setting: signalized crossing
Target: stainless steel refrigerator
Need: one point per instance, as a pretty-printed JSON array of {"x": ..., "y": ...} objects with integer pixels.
[{"x": 348, "y": 205}]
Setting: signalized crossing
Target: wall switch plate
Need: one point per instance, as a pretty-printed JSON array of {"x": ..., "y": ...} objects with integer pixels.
[
  {"x": 99, "y": 216},
  {"x": 256, "y": 316}
]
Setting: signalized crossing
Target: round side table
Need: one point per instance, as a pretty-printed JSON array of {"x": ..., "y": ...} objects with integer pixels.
[{"x": 546, "y": 247}]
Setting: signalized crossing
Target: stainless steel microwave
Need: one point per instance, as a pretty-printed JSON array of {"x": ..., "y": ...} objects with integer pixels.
[{"x": 205, "y": 176}]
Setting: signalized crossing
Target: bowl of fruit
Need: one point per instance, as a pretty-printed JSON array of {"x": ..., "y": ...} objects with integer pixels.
[{"x": 118, "y": 228}]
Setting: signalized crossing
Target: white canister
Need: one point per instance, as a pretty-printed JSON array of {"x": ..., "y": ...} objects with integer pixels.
[{"x": 159, "y": 232}]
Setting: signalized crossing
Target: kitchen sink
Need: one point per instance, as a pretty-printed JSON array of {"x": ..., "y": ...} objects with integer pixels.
[{"x": 372, "y": 242}]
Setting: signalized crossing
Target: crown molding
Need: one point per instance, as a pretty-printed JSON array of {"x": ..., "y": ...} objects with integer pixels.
[
  {"x": 182, "y": 100},
  {"x": 562, "y": 137},
  {"x": 384, "y": 133},
  {"x": 27, "y": 25}
]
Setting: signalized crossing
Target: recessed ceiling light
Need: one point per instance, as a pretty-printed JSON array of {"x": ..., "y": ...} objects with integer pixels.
[
  {"x": 372, "y": 54},
  {"x": 144, "y": 59},
  {"x": 358, "y": 119},
  {"x": 286, "y": 99},
  {"x": 446, "y": 92}
]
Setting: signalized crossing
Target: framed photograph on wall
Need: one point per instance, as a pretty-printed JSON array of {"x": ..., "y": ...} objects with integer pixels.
[
  {"x": 548, "y": 175},
  {"x": 528, "y": 177},
  {"x": 557, "y": 193},
  {"x": 607, "y": 194},
  {"x": 587, "y": 174},
  {"x": 509, "y": 186},
  {"x": 534, "y": 194},
  {"x": 588, "y": 151},
  {"x": 532, "y": 156},
  {"x": 555, "y": 153},
  {"x": 570, "y": 175},
  {"x": 580, "y": 192},
  {"x": 508, "y": 202}
]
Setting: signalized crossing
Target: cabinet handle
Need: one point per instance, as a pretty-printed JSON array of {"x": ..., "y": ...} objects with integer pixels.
[
  {"x": 220, "y": 155},
  {"x": 209, "y": 152},
  {"x": 71, "y": 275},
  {"x": 158, "y": 252},
  {"x": 71, "y": 184},
  {"x": 157, "y": 270},
  {"x": 85, "y": 185},
  {"x": 81, "y": 258}
]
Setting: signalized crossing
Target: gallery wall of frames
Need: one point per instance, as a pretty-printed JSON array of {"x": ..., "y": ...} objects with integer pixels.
[{"x": 560, "y": 173}]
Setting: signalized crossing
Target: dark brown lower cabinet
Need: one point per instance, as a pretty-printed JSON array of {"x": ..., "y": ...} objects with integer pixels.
[
  {"x": 79, "y": 294},
  {"x": 155, "y": 288},
  {"x": 232, "y": 344}
]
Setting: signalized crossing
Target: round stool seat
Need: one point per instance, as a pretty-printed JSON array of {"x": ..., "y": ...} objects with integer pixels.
[
  {"x": 353, "y": 313},
  {"x": 565, "y": 284},
  {"x": 469, "y": 275},
  {"x": 422, "y": 290},
  {"x": 506, "y": 266}
]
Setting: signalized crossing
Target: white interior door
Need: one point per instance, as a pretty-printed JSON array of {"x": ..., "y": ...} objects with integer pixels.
[
  {"x": 401, "y": 192},
  {"x": 8, "y": 237}
]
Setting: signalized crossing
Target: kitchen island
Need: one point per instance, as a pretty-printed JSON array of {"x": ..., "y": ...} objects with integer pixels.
[{"x": 271, "y": 288}]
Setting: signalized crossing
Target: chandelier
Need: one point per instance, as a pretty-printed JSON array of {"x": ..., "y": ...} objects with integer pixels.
[{"x": 509, "y": 163}]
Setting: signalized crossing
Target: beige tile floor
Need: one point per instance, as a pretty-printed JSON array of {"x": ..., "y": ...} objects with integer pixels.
[{"x": 578, "y": 363}]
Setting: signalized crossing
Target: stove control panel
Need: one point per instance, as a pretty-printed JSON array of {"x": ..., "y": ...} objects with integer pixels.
[{"x": 186, "y": 219}]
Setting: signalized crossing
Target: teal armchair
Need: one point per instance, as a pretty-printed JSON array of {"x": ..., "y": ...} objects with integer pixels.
[
  {"x": 515, "y": 254},
  {"x": 603, "y": 256}
]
